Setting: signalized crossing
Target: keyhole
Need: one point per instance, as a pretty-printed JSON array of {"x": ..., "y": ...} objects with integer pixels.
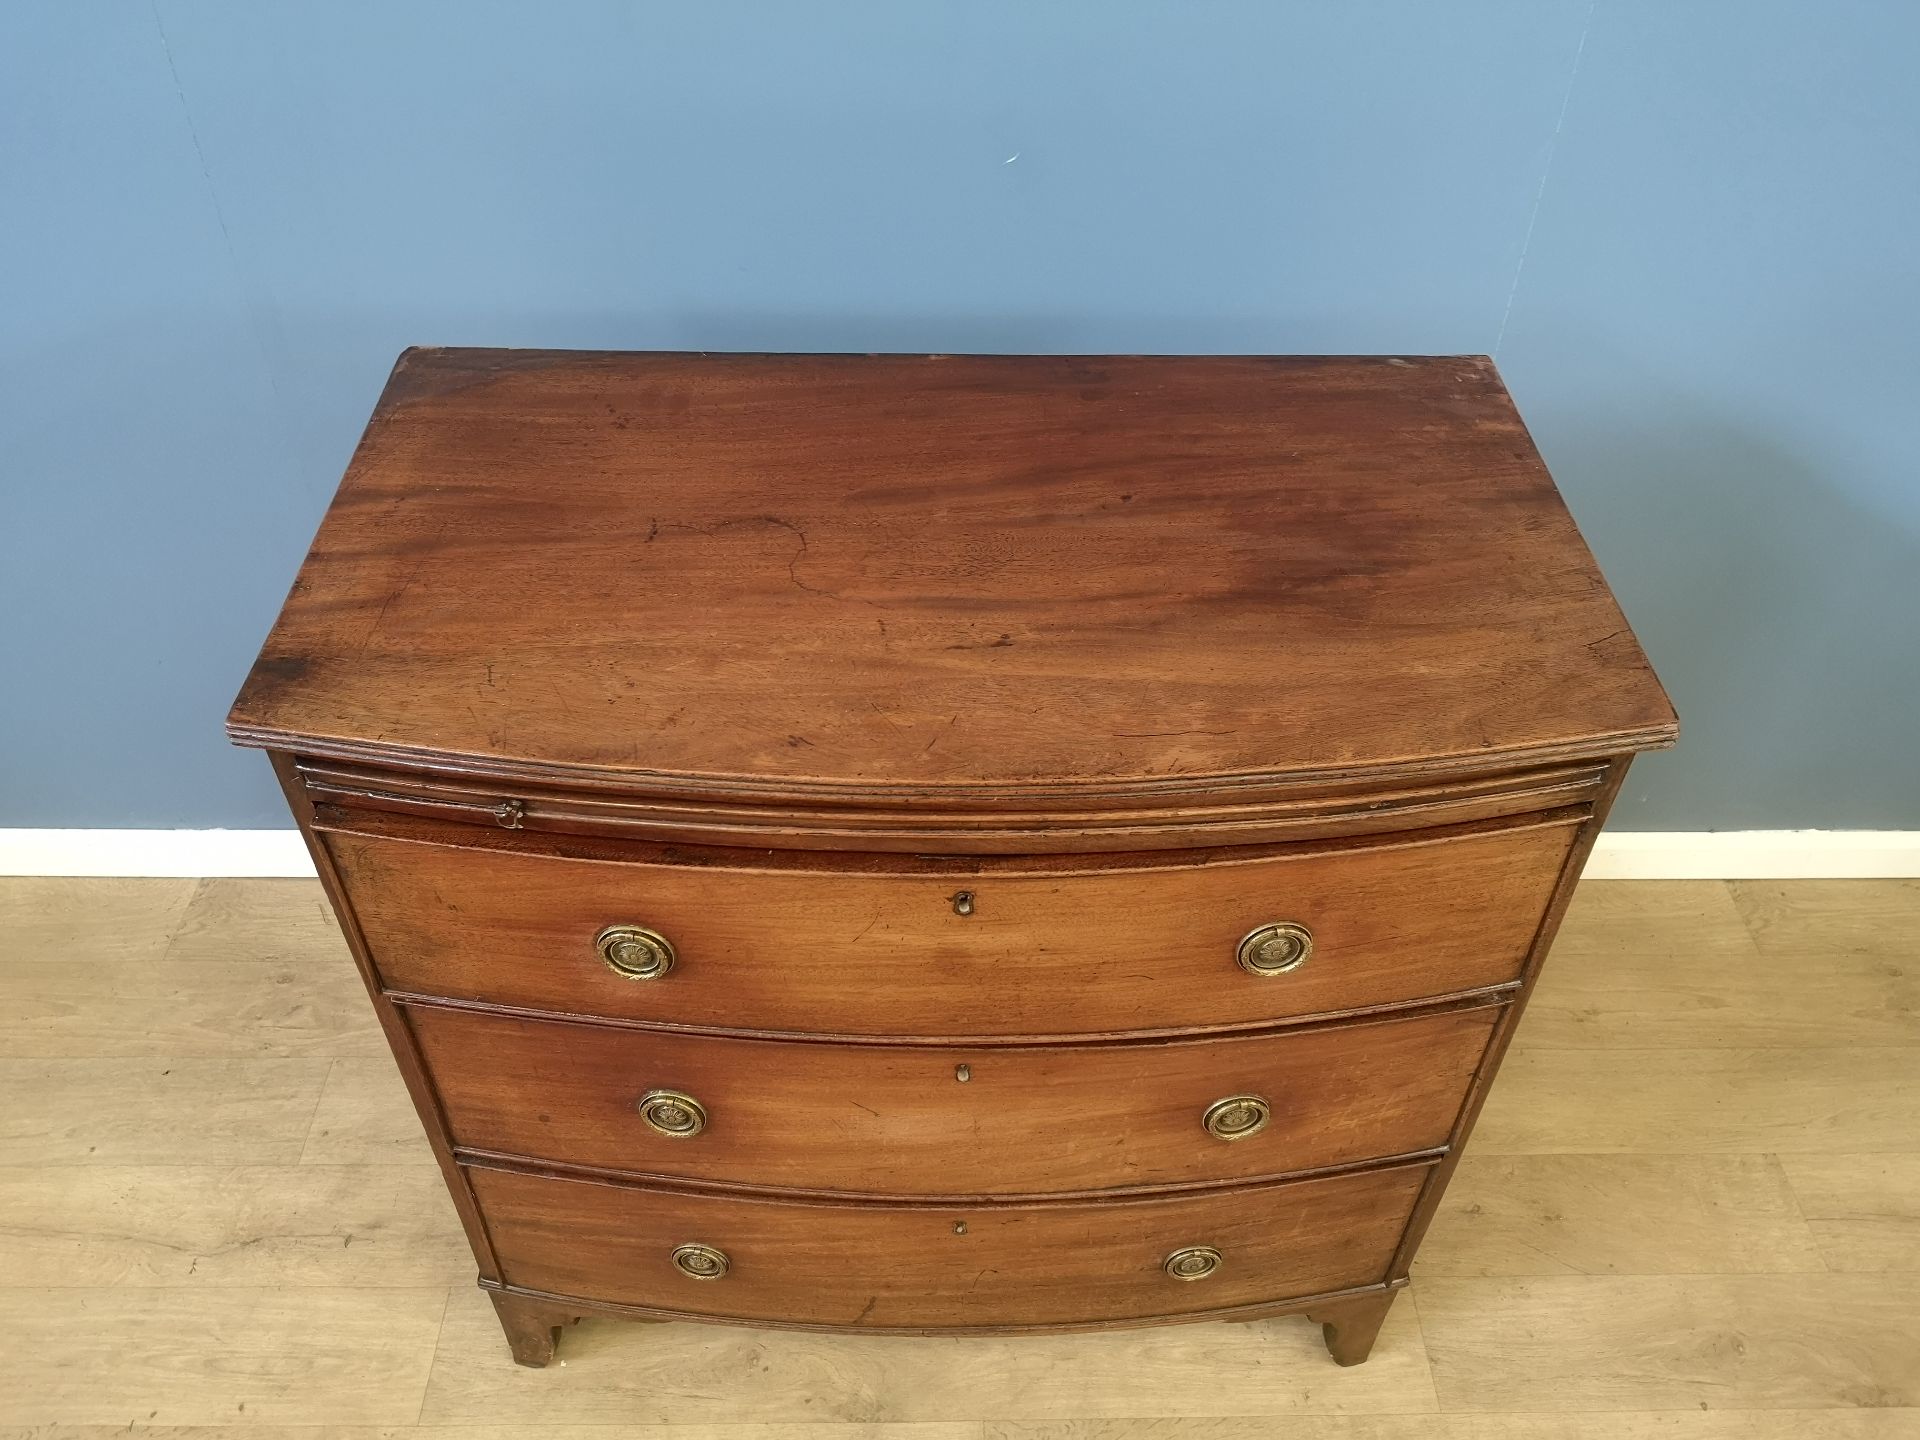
[
  {"x": 963, "y": 1073},
  {"x": 963, "y": 902}
]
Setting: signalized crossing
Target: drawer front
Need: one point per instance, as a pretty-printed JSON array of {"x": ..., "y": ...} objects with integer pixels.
[
  {"x": 1087, "y": 949},
  {"x": 925, "y": 1267},
  {"x": 949, "y": 1121}
]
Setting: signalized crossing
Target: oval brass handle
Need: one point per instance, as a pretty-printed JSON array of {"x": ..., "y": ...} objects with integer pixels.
[
  {"x": 1277, "y": 948},
  {"x": 670, "y": 1113},
  {"x": 701, "y": 1262},
  {"x": 635, "y": 952},
  {"x": 1195, "y": 1262},
  {"x": 1237, "y": 1117}
]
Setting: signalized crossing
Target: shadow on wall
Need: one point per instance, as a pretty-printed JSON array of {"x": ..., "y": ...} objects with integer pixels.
[{"x": 1778, "y": 608}]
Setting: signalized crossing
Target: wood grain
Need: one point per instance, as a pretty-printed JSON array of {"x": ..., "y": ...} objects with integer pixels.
[
  {"x": 530, "y": 1430},
  {"x": 131, "y": 1112},
  {"x": 1029, "y": 822},
  {"x": 903, "y": 1266},
  {"x": 1863, "y": 1210},
  {"x": 1786, "y": 1342},
  {"x": 821, "y": 949},
  {"x": 1618, "y": 1215},
  {"x": 185, "y": 1009},
  {"x": 76, "y": 921},
  {"x": 697, "y": 1375},
  {"x": 1828, "y": 917},
  {"x": 1672, "y": 918},
  {"x": 1713, "y": 1102},
  {"x": 177, "y": 970},
  {"x": 193, "y": 1226},
  {"x": 944, "y": 571},
  {"x": 364, "y": 1117},
  {"x": 216, "y": 1357},
  {"x": 1643, "y": 1425},
  {"x": 1670, "y": 963},
  {"x": 897, "y": 1120},
  {"x": 276, "y": 922}
]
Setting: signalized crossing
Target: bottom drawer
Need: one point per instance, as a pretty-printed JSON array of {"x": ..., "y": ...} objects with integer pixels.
[{"x": 927, "y": 1267}]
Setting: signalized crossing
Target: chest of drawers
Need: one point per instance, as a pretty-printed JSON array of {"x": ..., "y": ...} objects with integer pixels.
[{"x": 947, "y": 844}]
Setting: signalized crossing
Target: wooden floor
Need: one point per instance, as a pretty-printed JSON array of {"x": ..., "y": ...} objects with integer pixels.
[{"x": 1692, "y": 1210}]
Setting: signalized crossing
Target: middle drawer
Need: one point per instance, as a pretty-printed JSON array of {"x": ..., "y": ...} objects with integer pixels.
[{"x": 951, "y": 1121}]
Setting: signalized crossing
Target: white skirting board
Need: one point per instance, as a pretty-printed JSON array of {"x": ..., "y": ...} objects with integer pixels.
[
  {"x": 188, "y": 854},
  {"x": 1756, "y": 855},
  {"x": 1629, "y": 855}
]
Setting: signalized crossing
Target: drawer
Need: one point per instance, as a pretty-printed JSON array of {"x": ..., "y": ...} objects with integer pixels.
[
  {"x": 1073, "y": 948},
  {"x": 902, "y": 1121},
  {"x": 1062, "y": 1263}
]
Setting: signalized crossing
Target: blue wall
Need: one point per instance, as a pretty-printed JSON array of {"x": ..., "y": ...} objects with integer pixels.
[{"x": 1685, "y": 227}]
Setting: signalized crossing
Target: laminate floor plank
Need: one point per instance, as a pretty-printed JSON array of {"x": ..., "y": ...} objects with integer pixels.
[
  {"x": 1739, "y": 1342},
  {"x": 1671, "y": 963},
  {"x": 186, "y": 1009},
  {"x": 1863, "y": 1210},
  {"x": 354, "y": 1356},
  {"x": 1825, "y": 917},
  {"x": 1707, "y": 1102},
  {"x": 1646, "y": 1425},
  {"x": 138, "y": 1226},
  {"x": 716, "y": 1375},
  {"x": 283, "y": 922},
  {"x": 157, "y": 1112},
  {"x": 797, "y": 1430},
  {"x": 1618, "y": 1215},
  {"x": 1678, "y": 918},
  {"x": 73, "y": 920},
  {"x": 366, "y": 1117}
]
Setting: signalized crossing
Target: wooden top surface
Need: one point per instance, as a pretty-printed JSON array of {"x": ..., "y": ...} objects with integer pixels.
[{"x": 874, "y": 575}]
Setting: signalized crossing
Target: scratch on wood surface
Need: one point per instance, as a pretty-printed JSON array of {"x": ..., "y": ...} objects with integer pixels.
[
  {"x": 941, "y": 734},
  {"x": 1165, "y": 734}
]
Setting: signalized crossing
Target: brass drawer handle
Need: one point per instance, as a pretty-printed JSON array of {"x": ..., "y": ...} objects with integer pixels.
[
  {"x": 1196, "y": 1262},
  {"x": 635, "y": 952},
  {"x": 1237, "y": 1117},
  {"x": 1277, "y": 948},
  {"x": 701, "y": 1262},
  {"x": 669, "y": 1113}
]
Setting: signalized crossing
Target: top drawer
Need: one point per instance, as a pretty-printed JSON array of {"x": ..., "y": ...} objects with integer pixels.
[{"x": 879, "y": 946}]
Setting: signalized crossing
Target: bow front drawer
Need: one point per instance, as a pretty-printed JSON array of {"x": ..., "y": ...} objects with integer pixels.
[
  {"x": 890, "y": 947},
  {"x": 905, "y": 1267},
  {"x": 948, "y": 1121}
]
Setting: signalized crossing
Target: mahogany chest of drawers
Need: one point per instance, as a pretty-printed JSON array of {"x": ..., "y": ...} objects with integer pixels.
[{"x": 947, "y": 844}]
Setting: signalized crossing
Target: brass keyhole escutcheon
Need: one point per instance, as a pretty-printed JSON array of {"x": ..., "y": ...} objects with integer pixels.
[
  {"x": 701, "y": 1262},
  {"x": 635, "y": 952},
  {"x": 1275, "y": 949},
  {"x": 670, "y": 1113},
  {"x": 963, "y": 902},
  {"x": 1196, "y": 1262}
]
